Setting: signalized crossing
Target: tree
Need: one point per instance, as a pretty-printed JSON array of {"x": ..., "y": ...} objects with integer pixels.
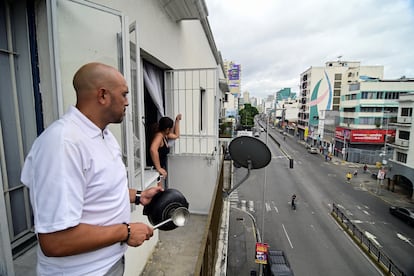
[{"x": 247, "y": 116}]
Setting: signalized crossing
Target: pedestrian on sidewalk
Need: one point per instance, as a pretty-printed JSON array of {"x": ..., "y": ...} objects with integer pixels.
[
  {"x": 365, "y": 168},
  {"x": 356, "y": 172}
]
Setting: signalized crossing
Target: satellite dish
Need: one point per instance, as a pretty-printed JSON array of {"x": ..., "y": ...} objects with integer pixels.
[{"x": 250, "y": 153}]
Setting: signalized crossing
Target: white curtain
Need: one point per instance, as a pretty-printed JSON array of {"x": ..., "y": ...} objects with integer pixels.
[{"x": 153, "y": 82}]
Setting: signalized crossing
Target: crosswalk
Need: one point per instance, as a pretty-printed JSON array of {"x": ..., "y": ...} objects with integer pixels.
[
  {"x": 245, "y": 205},
  {"x": 250, "y": 205}
]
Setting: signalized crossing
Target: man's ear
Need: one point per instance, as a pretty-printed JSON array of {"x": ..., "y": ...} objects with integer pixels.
[{"x": 102, "y": 95}]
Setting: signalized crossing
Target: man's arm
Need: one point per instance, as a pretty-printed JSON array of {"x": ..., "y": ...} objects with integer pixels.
[{"x": 85, "y": 238}]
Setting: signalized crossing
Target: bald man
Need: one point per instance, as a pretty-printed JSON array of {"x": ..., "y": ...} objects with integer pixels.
[{"x": 78, "y": 183}]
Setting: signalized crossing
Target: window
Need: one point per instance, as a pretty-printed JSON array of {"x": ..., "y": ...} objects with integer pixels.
[
  {"x": 354, "y": 86},
  {"x": 405, "y": 135},
  {"x": 337, "y": 92},
  {"x": 364, "y": 95},
  {"x": 338, "y": 76},
  {"x": 337, "y": 84},
  {"x": 405, "y": 111},
  {"x": 380, "y": 95},
  {"x": 401, "y": 157},
  {"x": 336, "y": 101}
]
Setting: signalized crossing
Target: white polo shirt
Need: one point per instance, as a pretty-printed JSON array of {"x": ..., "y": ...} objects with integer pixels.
[{"x": 75, "y": 174}]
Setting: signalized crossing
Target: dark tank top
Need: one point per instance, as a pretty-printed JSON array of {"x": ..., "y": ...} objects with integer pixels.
[{"x": 163, "y": 152}]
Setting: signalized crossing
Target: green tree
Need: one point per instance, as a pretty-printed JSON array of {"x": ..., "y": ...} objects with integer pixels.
[{"x": 247, "y": 116}]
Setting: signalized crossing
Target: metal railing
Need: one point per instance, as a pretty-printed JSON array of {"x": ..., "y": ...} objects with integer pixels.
[
  {"x": 370, "y": 248},
  {"x": 208, "y": 249}
]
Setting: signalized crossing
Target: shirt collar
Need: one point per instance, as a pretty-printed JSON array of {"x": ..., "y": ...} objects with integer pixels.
[{"x": 85, "y": 123}]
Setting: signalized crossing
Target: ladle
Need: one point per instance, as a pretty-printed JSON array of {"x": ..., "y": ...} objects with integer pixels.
[{"x": 179, "y": 217}]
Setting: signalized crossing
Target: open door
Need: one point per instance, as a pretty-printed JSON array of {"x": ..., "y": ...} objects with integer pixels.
[{"x": 84, "y": 32}]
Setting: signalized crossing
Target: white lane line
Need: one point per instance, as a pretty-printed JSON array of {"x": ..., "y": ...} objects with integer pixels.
[
  {"x": 287, "y": 236},
  {"x": 268, "y": 208},
  {"x": 274, "y": 206}
]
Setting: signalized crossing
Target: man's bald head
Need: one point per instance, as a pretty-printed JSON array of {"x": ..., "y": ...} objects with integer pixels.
[
  {"x": 101, "y": 93},
  {"x": 92, "y": 76}
]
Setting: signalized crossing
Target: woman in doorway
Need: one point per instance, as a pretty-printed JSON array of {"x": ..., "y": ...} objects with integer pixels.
[{"x": 167, "y": 130}]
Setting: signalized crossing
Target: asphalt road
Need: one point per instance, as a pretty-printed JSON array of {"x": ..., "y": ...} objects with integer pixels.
[
  {"x": 311, "y": 239},
  {"x": 363, "y": 208}
]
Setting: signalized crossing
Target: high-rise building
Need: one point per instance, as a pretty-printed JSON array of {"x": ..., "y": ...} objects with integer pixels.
[
  {"x": 233, "y": 71},
  {"x": 321, "y": 89}
]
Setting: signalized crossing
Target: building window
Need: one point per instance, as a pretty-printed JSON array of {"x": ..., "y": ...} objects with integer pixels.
[
  {"x": 380, "y": 95},
  {"x": 402, "y": 134},
  {"x": 336, "y": 101},
  {"x": 401, "y": 157},
  {"x": 337, "y": 92},
  {"x": 354, "y": 86},
  {"x": 338, "y": 76},
  {"x": 337, "y": 84},
  {"x": 408, "y": 112}
]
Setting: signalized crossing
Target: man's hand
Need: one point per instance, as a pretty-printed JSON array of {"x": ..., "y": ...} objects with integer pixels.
[
  {"x": 148, "y": 194},
  {"x": 140, "y": 232}
]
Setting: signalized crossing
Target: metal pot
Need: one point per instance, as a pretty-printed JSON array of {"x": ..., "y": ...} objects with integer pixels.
[{"x": 162, "y": 207}]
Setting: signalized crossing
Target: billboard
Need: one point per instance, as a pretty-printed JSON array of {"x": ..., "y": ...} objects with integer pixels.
[
  {"x": 233, "y": 72},
  {"x": 363, "y": 136}
]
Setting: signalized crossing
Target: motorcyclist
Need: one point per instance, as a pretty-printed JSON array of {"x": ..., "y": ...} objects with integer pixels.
[{"x": 293, "y": 201}]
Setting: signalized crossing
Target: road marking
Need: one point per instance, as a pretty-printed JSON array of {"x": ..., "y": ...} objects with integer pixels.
[
  {"x": 279, "y": 157},
  {"x": 403, "y": 238},
  {"x": 251, "y": 206},
  {"x": 366, "y": 212},
  {"x": 243, "y": 205},
  {"x": 274, "y": 206},
  {"x": 287, "y": 236},
  {"x": 372, "y": 238},
  {"x": 268, "y": 208}
]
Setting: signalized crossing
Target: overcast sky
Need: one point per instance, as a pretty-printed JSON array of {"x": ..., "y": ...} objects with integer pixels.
[{"x": 276, "y": 40}]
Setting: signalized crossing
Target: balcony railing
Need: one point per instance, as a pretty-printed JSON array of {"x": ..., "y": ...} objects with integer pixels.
[
  {"x": 404, "y": 120},
  {"x": 402, "y": 143},
  {"x": 208, "y": 249}
]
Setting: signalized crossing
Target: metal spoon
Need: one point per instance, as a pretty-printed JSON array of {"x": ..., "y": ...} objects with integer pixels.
[{"x": 179, "y": 217}]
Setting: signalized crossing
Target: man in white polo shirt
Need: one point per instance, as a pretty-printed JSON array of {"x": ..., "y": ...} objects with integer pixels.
[{"x": 78, "y": 183}]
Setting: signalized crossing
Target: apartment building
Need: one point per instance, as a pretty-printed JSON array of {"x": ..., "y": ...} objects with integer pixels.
[
  {"x": 321, "y": 88},
  {"x": 367, "y": 112},
  {"x": 167, "y": 53},
  {"x": 401, "y": 165}
]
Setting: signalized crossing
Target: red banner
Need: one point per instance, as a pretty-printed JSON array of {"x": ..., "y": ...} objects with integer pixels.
[
  {"x": 366, "y": 136},
  {"x": 261, "y": 253}
]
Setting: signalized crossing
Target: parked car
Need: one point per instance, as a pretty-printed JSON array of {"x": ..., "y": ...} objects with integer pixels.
[
  {"x": 256, "y": 134},
  {"x": 404, "y": 213},
  {"x": 313, "y": 150},
  {"x": 278, "y": 264}
]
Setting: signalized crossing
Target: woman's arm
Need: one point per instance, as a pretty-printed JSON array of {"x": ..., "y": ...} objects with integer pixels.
[
  {"x": 175, "y": 134},
  {"x": 155, "y": 145}
]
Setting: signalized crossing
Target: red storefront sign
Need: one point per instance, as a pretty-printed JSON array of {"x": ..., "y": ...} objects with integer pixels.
[{"x": 363, "y": 136}]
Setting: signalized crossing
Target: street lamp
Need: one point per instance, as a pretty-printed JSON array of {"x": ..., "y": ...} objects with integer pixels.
[{"x": 384, "y": 161}]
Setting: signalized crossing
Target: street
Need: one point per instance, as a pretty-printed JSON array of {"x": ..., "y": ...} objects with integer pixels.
[{"x": 313, "y": 242}]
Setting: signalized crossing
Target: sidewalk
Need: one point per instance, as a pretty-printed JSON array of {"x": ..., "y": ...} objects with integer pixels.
[{"x": 366, "y": 182}]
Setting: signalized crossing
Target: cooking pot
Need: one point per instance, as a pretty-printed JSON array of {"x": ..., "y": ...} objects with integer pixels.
[{"x": 162, "y": 206}]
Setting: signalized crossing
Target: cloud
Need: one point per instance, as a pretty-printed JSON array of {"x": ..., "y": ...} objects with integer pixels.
[{"x": 276, "y": 40}]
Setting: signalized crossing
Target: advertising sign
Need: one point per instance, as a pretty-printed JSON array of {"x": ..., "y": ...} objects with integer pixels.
[
  {"x": 234, "y": 72},
  {"x": 261, "y": 253},
  {"x": 364, "y": 136}
]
